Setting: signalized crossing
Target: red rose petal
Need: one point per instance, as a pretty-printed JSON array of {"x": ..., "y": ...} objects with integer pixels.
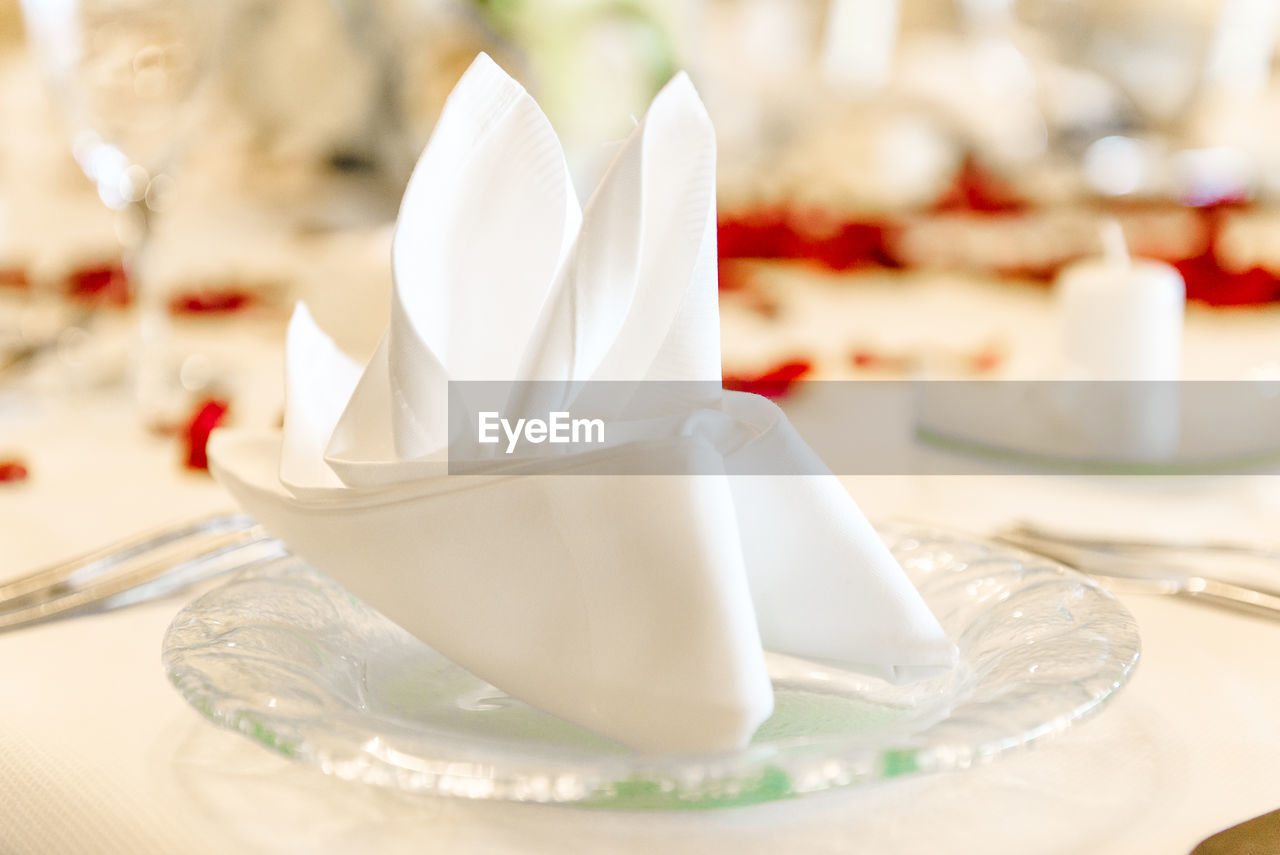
[
  {"x": 839, "y": 244},
  {"x": 761, "y": 233},
  {"x": 808, "y": 233},
  {"x": 104, "y": 283},
  {"x": 976, "y": 189},
  {"x": 985, "y": 360},
  {"x": 733, "y": 275},
  {"x": 15, "y": 278},
  {"x": 774, "y": 383},
  {"x": 843, "y": 244},
  {"x": 865, "y": 358},
  {"x": 208, "y": 415},
  {"x": 13, "y": 471},
  {"x": 211, "y": 301},
  {"x": 1209, "y": 282}
]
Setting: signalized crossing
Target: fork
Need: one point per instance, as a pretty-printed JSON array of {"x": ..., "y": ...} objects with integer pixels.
[
  {"x": 1133, "y": 566},
  {"x": 20, "y": 355},
  {"x": 137, "y": 569}
]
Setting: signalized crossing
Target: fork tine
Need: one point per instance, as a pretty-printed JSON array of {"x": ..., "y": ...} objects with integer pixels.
[
  {"x": 1118, "y": 545},
  {"x": 135, "y": 569},
  {"x": 132, "y": 587},
  {"x": 98, "y": 561},
  {"x": 241, "y": 554},
  {"x": 1121, "y": 572}
]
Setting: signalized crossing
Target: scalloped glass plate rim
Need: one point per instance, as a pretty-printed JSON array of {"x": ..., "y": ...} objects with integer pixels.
[{"x": 358, "y": 745}]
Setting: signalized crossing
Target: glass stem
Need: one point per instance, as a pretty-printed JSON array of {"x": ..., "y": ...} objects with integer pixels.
[{"x": 153, "y": 375}]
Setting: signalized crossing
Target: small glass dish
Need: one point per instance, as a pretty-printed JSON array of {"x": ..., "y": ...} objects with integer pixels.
[{"x": 286, "y": 656}]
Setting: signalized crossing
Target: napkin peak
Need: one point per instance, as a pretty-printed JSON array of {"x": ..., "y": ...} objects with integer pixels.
[{"x": 499, "y": 276}]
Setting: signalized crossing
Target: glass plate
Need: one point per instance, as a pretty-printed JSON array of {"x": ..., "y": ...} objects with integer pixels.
[
  {"x": 1106, "y": 428},
  {"x": 286, "y": 656},
  {"x": 1067, "y": 463}
]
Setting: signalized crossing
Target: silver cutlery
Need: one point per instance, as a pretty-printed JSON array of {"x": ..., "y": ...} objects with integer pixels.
[
  {"x": 27, "y": 348},
  {"x": 137, "y": 569},
  {"x": 1145, "y": 567}
]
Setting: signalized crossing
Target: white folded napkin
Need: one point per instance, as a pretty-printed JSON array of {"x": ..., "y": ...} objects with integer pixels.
[{"x": 636, "y": 605}]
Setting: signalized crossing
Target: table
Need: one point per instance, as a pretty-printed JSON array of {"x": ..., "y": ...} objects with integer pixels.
[{"x": 98, "y": 753}]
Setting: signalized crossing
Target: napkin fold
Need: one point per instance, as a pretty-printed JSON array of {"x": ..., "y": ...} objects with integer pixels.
[{"x": 637, "y": 605}]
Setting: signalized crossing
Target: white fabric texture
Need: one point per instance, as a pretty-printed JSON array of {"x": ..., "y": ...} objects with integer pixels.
[{"x": 633, "y": 605}]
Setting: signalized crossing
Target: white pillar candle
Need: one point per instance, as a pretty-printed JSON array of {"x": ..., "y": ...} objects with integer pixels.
[
  {"x": 1122, "y": 321},
  {"x": 1122, "y": 317}
]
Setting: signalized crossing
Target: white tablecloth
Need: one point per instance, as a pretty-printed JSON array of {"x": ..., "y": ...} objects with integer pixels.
[{"x": 99, "y": 754}]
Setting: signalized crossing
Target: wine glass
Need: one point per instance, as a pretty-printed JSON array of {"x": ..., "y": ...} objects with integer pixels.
[{"x": 124, "y": 73}]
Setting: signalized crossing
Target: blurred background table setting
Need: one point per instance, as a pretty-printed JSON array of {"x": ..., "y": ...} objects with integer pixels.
[{"x": 1009, "y": 268}]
